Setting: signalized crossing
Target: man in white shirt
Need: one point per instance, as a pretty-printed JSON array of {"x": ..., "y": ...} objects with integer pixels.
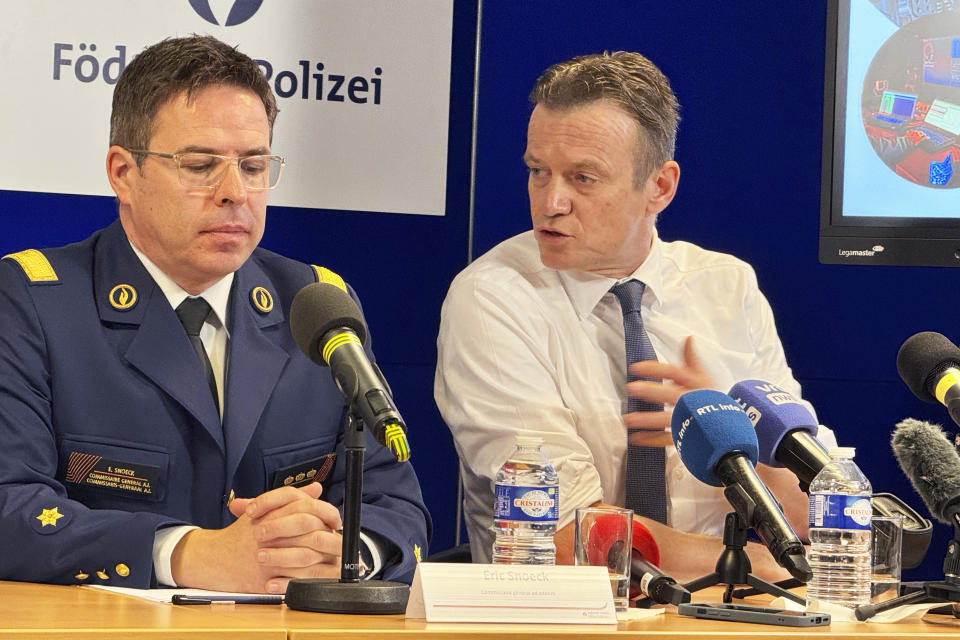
[{"x": 532, "y": 340}]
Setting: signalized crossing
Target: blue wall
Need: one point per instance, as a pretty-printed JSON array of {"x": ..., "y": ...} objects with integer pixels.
[{"x": 750, "y": 79}]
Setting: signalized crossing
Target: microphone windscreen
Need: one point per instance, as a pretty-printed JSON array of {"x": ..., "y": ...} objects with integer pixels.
[
  {"x": 707, "y": 425},
  {"x": 319, "y": 308},
  {"x": 931, "y": 463},
  {"x": 774, "y": 413},
  {"x": 922, "y": 358},
  {"x": 605, "y": 532}
]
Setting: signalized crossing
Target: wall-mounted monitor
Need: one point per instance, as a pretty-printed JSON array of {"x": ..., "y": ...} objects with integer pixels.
[{"x": 891, "y": 146}]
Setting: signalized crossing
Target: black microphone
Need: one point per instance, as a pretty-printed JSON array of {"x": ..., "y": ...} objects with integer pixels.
[
  {"x": 647, "y": 578},
  {"x": 328, "y": 327},
  {"x": 718, "y": 445},
  {"x": 929, "y": 365},
  {"x": 931, "y": 463}
]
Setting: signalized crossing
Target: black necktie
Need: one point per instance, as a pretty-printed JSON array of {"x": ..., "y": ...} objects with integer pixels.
[
  {"x": 646, "y": 484},
  {"x": 192, "y": 313}
]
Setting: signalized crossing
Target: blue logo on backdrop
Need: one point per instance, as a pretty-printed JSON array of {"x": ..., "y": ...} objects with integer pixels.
[{"x": 240, "y": 12}]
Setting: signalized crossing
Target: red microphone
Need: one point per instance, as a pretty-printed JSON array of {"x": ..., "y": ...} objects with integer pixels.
[{"x": 645, "y": 576}]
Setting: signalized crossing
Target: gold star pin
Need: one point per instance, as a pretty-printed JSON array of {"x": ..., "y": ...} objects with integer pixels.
[
  {"x": 416, "y": 553},
  {"x": 50, "y": 516}
]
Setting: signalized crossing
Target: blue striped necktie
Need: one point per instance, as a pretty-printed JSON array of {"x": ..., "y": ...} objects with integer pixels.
[{"x": 646, "y": 484}]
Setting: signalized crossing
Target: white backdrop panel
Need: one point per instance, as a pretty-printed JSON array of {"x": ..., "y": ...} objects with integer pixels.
[{"x": 381, "y": 146}]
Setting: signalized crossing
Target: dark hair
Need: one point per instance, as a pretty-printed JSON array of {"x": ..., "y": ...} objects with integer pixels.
[
  {"x": 626, "y": 79},
  {"x": 165, "y": 70}
]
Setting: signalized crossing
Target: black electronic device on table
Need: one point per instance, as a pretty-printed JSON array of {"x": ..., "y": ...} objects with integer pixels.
[{"x": 748, "y": 613}]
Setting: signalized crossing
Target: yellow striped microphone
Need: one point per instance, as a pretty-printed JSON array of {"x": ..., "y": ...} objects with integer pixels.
[
  {"x": 929, "y": 364},
  {"x": 328, "y": 326}
]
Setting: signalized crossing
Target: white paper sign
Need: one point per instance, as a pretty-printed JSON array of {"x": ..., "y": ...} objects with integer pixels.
[
  {"x": 363, "y": 88},
  {"x": 511, "y": 593}
]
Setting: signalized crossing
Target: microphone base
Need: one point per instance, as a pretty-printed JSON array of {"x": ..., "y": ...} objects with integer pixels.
[
  {"x": 328, "y": 595},
  {"x": 758, "y": 585},
  {"x": 789, "y": 583},
  {"x": 733, "y": 566}
]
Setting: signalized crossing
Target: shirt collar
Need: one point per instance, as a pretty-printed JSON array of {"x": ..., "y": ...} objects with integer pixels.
[
  {"x": 217, "y": 295},
  {"x": 586, "y": 289}
]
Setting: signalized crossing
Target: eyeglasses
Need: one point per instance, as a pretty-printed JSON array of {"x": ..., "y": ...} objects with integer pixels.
[{"x": 206, "y": 170}]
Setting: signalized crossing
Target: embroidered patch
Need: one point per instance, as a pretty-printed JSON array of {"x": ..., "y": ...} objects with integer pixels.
[
  {"x": 325, "y": 275},
  {"x": 122, "y": 297},
  {"x": 35, "y": 265},
  {"x": 125, "y": 478},
  {"x": 261, "y": 299},
  {"x": 303, "y": 473},
  {"x": 51, "y": 519}
]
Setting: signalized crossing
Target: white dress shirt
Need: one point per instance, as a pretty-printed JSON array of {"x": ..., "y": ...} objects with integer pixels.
[{"x": 525, "y": 349}]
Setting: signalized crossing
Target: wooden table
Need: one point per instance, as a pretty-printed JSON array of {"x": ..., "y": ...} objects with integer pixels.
[{"x": 35, "y": 611}]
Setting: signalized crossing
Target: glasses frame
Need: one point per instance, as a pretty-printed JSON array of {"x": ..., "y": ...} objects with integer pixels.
[{"x": 236, "y": 160}]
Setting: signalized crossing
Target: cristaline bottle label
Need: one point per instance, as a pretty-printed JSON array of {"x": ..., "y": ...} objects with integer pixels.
[
  {"x": 533, "y": 504},
  {"x": 830, "y": 511}
]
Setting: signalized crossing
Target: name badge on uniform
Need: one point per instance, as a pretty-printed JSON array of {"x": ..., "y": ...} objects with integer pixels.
[
  {"x": 132, "y": 480},
  {"x": 303, "y": 473}
]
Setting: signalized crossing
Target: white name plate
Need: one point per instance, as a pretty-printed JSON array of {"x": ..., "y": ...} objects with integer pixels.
[{"x": 462, "y": 592}]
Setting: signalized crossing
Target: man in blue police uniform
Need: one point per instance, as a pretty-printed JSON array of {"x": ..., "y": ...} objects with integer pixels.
[{"x": 124, "y": 439}]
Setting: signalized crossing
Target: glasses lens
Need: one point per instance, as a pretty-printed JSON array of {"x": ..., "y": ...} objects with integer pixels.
[
  {"x": 200, "y": 169},
  {"x": 260, "y": 172},
  {"x": 206, "y": 170}
]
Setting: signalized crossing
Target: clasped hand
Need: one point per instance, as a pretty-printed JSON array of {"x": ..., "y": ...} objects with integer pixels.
[
  {"x": 652, "y": 428},
  {"x": 281, "y": 534}
]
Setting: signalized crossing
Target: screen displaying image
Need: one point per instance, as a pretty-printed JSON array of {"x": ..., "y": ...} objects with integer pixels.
[
  {"x": 909, "y": 89},
  {"x": 892, "y": 123},
  {"x": 941, "y": 61}
]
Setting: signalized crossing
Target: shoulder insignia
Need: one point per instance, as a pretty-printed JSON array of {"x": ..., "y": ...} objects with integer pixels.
[
  {"x": 325, "y": 275},
  {"x": 35, "y": 265}
]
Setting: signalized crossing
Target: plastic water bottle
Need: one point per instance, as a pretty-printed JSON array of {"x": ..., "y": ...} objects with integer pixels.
[
  {"x": 525, "y": 507},
  {"x": 840, "y": 511}
]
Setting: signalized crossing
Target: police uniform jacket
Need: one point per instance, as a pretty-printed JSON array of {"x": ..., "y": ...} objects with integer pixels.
[{"x": 108, "y": 430}]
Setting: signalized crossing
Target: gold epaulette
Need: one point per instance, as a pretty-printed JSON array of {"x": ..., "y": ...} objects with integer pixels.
[
  {"x": 325, "y": 275},
  {"x": 35, "y": 265}
]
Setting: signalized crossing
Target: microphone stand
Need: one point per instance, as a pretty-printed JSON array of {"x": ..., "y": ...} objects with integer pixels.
[
  {"x": 946, "y": 591},
  {"x": 349, "y": 594},
  {"x": 733, "y": 566}
]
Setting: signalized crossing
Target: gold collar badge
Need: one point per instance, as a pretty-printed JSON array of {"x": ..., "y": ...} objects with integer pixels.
[
  {"x": 122, "y": 297},
  {"x": 49, "y": 516},
  {"x": 261, "y": 299}
]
